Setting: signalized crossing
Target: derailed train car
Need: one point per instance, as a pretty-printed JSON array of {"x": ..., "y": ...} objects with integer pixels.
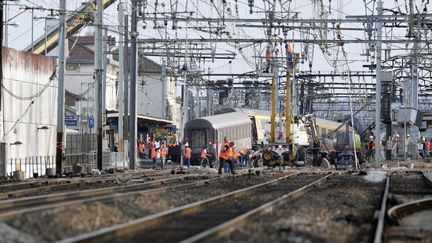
[
  {"x": 210, "y": 131},
  {"x": 244, "y": 128}
]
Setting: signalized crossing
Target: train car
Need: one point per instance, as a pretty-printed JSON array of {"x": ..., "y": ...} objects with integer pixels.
[{"x": 210, "y": 131}]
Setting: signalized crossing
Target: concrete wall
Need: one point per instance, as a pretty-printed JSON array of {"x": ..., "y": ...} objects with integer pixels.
[{"x": 26, "y": 76}]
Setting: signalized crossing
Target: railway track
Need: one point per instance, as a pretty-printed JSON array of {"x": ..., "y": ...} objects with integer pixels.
[
  {"x": 79, "y": 185},
  {"x": 189, "y": 220},
  {"x": 11, "y": 206},
  {"x": 46, "y": 186},
  {"x": 32, "y": 185},
  {"x": 406, "y": 209},
  {"x": 48, "y": 223}
]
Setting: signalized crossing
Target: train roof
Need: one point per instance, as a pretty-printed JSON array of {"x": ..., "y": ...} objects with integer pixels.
[
  {"x": 254, "y": 112},
  {"x": 221, "y": 120},
  {"x": 328, "y": 124}
]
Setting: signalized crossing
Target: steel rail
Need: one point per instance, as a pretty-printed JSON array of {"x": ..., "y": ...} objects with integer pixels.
[
  {"x": 381, "y": 217},
  {"x": 75, "y": 184},
  {"x": 154, "y": 220},
  {"x": 398, "y": 212},
  {"x": 427, "y": 176},
  {"x": 59, "y": 197},
  {"x": 231, "y": 225},
  {"x": 67, "y": 203},
  {"x": 43, "y": 182},
  {"x": 56, "y": 181}
]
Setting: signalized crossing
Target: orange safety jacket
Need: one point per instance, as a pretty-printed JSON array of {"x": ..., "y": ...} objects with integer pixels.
[
  {"x": 203, "y": 154},
  {"x": 188, "y": 153},
  {"x": 236, "y": 156},
  {"x": 224, "y": 153},
  {"x": 153, "y": 153},
  {"x": 141, "y": 148},
  {"x": 428, "y": 146},
  {"x": 163, "y": 152},
  {"x": 231, "y": 151}
]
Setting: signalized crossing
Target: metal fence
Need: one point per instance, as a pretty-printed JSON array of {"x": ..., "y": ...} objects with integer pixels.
[
  {"x": 82, "y": 159},
  {"x": 109, "y": 160},
  {"x": 80, "y": 143},
  {"x": 30, "y": 165}
]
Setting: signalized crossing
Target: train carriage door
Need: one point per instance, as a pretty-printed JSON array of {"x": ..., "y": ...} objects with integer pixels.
[{"x": 198, "y": 139}]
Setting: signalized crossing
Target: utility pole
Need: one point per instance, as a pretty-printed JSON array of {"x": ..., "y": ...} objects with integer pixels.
[
  {"x": 61, "y": 89},
  {"x": 125, "y": 65},
  {"x": 121, "y": 75},
  {"x": 288, "y": 108},
  {"x": 163, "y": 83},
  {"x": 273, "y": 109},
  {"x": 133, "y": 76},
  {"x": 104, "y": 74},
  {"x": 379, "y": 25},
  {"x": 99, "y": 77},
  {"x": 185, "y": 92}
]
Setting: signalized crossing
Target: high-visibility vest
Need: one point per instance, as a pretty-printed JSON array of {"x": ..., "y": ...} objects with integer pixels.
[
  {"x": 203, "y": 154},
  {"x": 224, "y": 153},
  {"x": 373, "y": 146},
  {"x": 153, "y": 153},
  {"x": 188, "y": 153},
  {"x": 141, "y": 148},
  {"x": 428, "y": 146},
  {"x": 230, "y": 151},
  {"x": 236, "y": 156},
  {"x": 163, "y": 152}
]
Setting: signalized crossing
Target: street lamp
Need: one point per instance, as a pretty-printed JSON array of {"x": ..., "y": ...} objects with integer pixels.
[{"x": 46, "y": 18}]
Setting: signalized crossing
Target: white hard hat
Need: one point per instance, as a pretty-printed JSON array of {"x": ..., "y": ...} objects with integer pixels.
[
  {"x": 370, "y": 136},
  {"x": 280, "y": 146},
  {"x": 397, "y": 135}
]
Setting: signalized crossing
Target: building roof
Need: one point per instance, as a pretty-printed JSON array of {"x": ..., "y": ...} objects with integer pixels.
[
  {"x": 145, "y": 65},
  {"x": 80, "y": 52}
]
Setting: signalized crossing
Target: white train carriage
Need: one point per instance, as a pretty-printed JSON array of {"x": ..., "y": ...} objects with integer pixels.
[{"x": 210, "y": 132}]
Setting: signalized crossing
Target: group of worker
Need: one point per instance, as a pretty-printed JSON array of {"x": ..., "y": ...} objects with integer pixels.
[
  {"x": 230, "y": 156},
  {"x": 161, "y": 151},
  {"x": 371, "y": 147},
  {"x": 424, "y": 147}
]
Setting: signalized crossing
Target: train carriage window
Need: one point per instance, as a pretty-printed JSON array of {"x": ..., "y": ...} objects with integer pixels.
[{"x": 198, "y": 138}]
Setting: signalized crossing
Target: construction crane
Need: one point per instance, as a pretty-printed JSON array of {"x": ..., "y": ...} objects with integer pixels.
[{"x": 83, "y": 15}]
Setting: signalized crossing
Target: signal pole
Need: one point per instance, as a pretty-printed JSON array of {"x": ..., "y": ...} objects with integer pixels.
[
  {"x": 99, "y": 81},
  {"x": 61, "y": 89},
  {"x": 133, "y": 77},
  {"x": 378, "y": 88}
]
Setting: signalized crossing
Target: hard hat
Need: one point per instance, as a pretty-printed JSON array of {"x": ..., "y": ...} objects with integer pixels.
[
  {"x": 370, "y": 136},
  {"x": 280, "y": 146},
  {"x": 397, "y": 135}
]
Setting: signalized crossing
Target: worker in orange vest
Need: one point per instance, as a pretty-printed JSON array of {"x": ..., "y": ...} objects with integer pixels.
[
  {"x": 428, "y": 148},
  {"x": 245, "y": 157},
  {"x": 163, "y": 155},
  {"x": 203, "y": 156},
  {"x": 188, "y": 155},
  {"x": 227, "y": 155},
  {"x": 141, "y": 149},
  {"x": 151, "y": 146},
  {"x": 153, "y": 154}
]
